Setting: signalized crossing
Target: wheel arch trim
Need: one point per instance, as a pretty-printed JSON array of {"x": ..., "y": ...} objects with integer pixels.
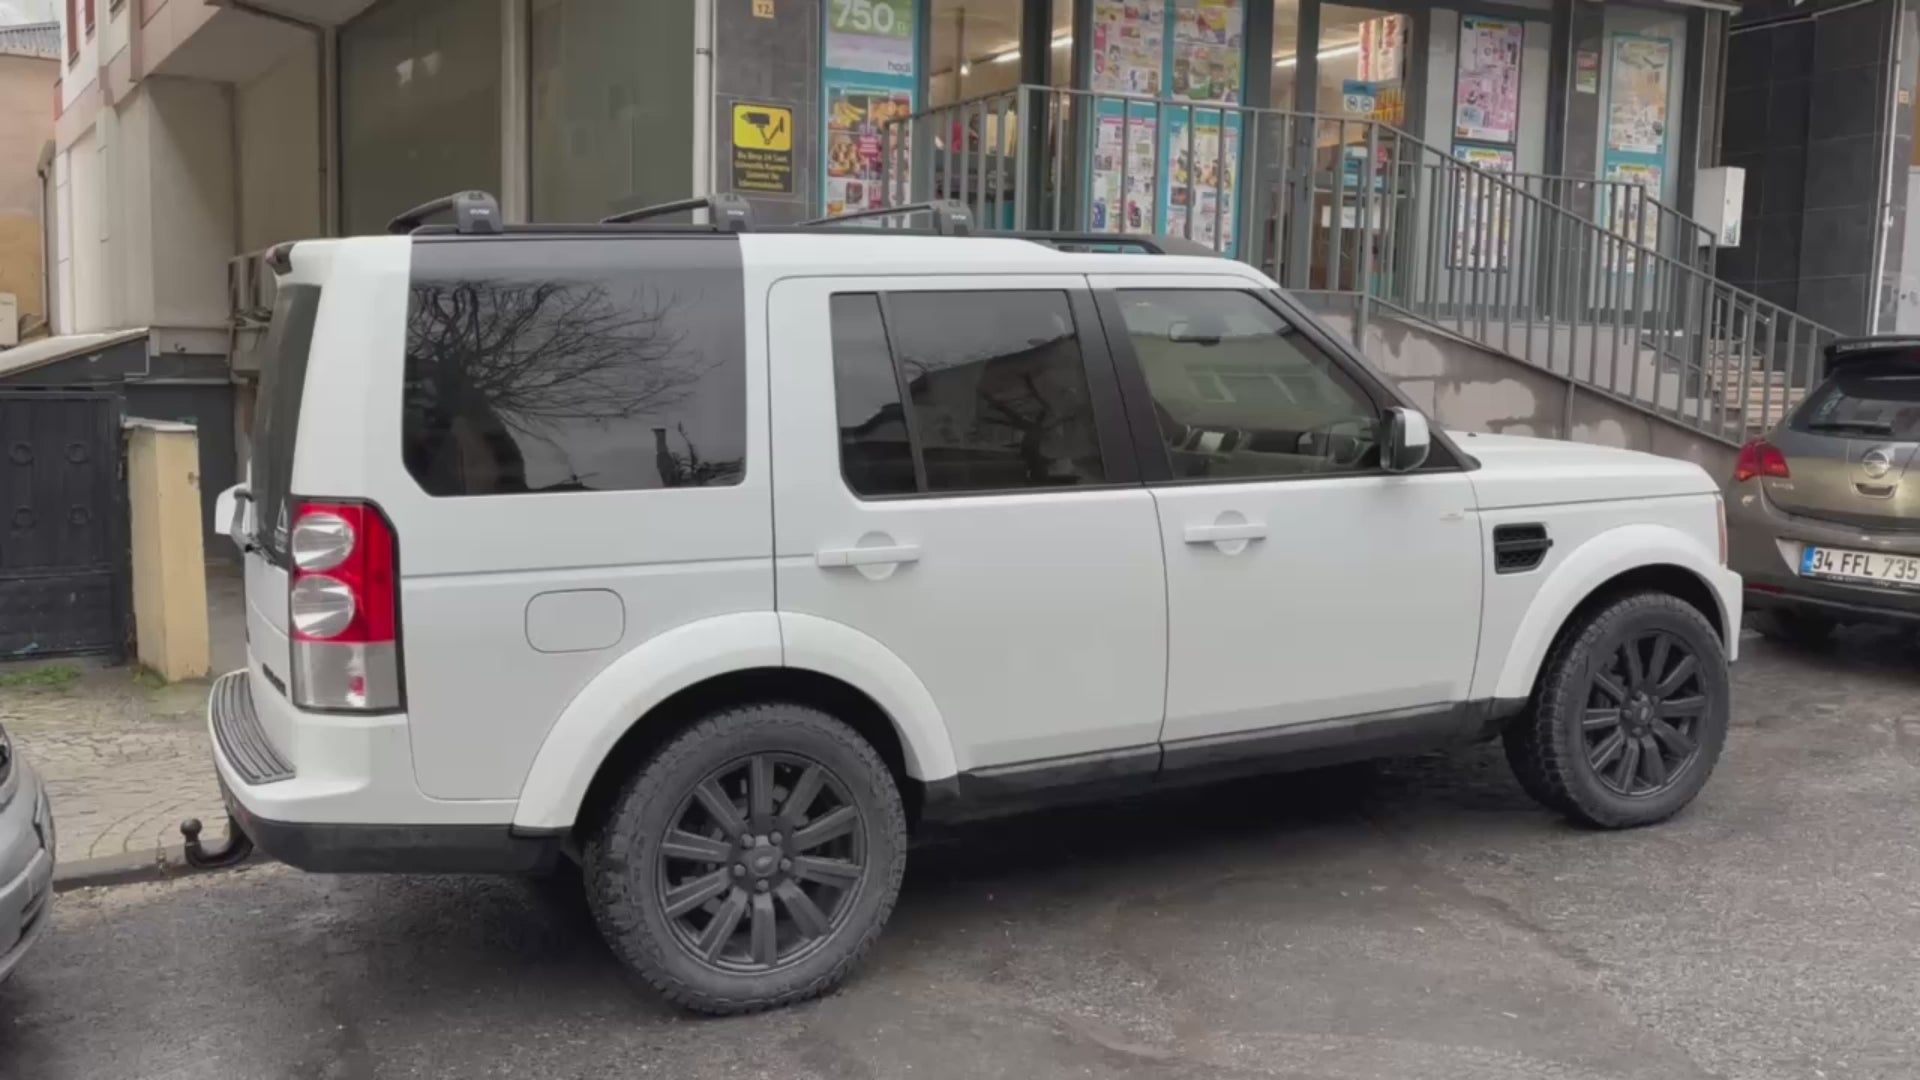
[
  {"x": 1591, "y": 567},
  {"x": 632, "y": 686}
]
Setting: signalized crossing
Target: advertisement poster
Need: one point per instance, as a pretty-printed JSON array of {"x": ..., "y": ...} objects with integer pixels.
[
  {"x": 1120, "y": 138},
  {"x": 1586, "y": 72},
  {"x": 1202, "y": 189},
  {"x": 867, "y": 82},
  {"x": 1637, "y": 100},
  {"x": 1207, "y": 50},
  {"x": 1482, "y": 212},
  {"x": 1619, "y": 209},
  {"x": 1486, "y": 93},
  {"x": 1129, "y": 46},
  {"x": 1383, "y": 48}
]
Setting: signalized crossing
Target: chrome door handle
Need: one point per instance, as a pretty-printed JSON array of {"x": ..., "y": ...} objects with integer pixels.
[
  {"x": 868, "y": 556},
  {"x": 1214, "y": 534}
]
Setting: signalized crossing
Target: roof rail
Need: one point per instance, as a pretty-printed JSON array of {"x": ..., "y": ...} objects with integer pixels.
[
  {"x": 1145, "y": 243},
  {"x": 474, "y": 212},
  {"x": 950, "y": 217},
  {"x": 728, "y": 213}
]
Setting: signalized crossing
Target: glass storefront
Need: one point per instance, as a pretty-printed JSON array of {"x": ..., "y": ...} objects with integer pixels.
[
  {"x": 610, "y": 112},
  {"x": 419, "y": 108}
]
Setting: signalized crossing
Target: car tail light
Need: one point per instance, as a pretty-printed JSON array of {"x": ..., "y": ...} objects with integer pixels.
[
  {"x": 343, "y": 607},
  {"x": 1760, "y": 458}
]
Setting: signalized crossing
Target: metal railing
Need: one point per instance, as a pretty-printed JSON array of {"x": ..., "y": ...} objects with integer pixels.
[{"x": 1552, "y": 271}]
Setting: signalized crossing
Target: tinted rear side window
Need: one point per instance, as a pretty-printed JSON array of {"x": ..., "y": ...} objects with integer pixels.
[
  {"x": 996, "y": 390},
  {"x": 1872, "y": 401},
  {"x": 550, "y": 365},
  {"x": 276, "y": 416}
]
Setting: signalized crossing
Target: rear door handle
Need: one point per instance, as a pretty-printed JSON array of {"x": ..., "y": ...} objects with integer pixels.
[
  {"x": 868, "y": 556},
  {"x": 1213, "y": 534}
]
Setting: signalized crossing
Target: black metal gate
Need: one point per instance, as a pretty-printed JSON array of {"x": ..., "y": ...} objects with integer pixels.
[{"x": 63, "y": 550}]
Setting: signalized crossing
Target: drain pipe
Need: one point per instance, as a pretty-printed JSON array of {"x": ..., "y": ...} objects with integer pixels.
[{"x": 705, "y": 142}]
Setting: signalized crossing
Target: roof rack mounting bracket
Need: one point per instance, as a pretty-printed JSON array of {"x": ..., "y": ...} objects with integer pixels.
[
  {"x": 474, "y": 213},
  {"x": 950, "y": 216},
  {"x": 726, "y": 213}
]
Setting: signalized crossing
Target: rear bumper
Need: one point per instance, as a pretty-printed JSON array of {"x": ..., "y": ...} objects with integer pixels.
[
  {"x": 342, "y": 799},
  {"x": 1764, "y": 545},
  {"x": 26, "y": 851}
]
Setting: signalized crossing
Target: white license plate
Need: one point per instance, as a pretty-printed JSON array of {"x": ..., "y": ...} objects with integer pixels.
[{"x": 1900, "y": 571}]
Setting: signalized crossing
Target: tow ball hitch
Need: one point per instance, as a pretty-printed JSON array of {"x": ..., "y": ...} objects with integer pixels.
[{"x": 239, "y": 845}]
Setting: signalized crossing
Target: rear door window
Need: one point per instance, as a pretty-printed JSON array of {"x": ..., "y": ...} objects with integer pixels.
[
  {"x": 568, "y": 365},
  {"x": 276, "y": 417},
  {"x": 1870, "y": 401}
]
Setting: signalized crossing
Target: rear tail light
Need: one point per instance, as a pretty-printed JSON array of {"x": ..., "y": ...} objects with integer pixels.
[
  {"x": 1760, "y": 458},
  {"x": 343, "y": 608}
]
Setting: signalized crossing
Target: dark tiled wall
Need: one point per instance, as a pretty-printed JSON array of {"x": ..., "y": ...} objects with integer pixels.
[{"x": 1805, "y": 104}]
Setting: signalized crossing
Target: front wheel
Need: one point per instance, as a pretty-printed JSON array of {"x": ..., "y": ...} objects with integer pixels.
[
  {"x": 752, "y": 861},
  {"x": 1629, "y": 716}
]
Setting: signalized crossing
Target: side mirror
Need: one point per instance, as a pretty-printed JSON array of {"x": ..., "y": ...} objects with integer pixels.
[
  {"x": 230, "y": 515},
  {"x": 1407, "y": 440}
]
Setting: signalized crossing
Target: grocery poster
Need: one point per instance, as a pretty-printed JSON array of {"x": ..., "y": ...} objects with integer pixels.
[
  {"x": 1201, "y": 188},
  {"x": 1383, "y": 48},
  {"x": 1123, "y": 156},
  {"x": 1637, "y": 98},
  {"x": 1486, "y": 92},
  {"x": 1208, "y": 47},
  {"x": 1617, "y": 203},
  {"x": 1482, "y": 211},
  {"x": 867, "y": 82},
  {"x": 1129, "y": 46}
]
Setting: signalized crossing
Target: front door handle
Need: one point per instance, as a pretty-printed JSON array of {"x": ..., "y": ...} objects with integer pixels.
[
  {"x": 889, "y": 555},
  {"x": 1214, "y": 534}
]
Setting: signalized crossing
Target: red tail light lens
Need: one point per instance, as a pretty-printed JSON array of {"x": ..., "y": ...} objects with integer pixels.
[
  {"x": 343, "y": 607},
  {"x": 1760, "y": 458}
]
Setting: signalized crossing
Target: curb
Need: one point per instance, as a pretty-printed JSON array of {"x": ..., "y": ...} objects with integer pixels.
[{"x": 133, "y": 867}]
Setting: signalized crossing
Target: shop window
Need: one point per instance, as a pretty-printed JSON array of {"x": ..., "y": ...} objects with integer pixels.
[
  {"x": 419, "y": 108},
  {"x": 975, "y": 49},
  {"x": 611, "y": 106}
]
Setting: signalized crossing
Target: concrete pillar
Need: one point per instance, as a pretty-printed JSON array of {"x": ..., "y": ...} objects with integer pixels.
[{"x": 169, "y": 563}]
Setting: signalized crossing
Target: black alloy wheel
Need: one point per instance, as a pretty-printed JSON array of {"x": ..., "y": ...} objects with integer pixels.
[
  {"x": 1645, "y": 703},
  {"x": 761, "y": 863}
]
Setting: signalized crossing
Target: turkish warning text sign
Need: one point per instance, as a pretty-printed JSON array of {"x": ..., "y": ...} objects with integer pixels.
[{"x": 762, "y": 148}]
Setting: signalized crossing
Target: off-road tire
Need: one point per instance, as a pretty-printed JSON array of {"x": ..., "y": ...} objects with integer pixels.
[
  {"x": 1546, "y": 745},
  {"x": 621, "y": 859}
]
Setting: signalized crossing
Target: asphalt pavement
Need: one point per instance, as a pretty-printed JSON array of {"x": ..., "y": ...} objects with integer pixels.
[{"x": 1420, "y": 919}]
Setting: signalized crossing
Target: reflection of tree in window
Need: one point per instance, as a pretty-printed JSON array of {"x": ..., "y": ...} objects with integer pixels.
[
  {"x": 498, "y": 368},
  {"x": 998, "y": 389}
]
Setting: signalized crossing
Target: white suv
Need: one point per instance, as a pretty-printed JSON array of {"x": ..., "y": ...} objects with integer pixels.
[{"x": 716, "y": 559}]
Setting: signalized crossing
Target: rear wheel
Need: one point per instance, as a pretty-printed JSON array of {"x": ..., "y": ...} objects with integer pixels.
[
  {"x": 1803, "y": 629},
  {"x": 752, "y": 862},
  {"x": 1629, "y": 716}
]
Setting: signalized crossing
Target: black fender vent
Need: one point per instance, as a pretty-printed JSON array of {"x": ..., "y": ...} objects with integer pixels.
[{"x": 1519, "y": 548}]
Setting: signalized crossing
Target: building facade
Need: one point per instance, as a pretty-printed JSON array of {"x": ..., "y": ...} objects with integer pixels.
[
  {"x": 192, "y": 133},
  {"x": 29, "y": 65}
]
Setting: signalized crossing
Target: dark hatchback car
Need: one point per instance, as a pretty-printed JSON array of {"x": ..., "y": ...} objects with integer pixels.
[{"x": 1823, "y": 515}]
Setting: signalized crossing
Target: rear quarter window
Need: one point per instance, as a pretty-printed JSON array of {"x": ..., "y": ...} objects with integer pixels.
[
  {"x": 276, "y": 414},
  {"x": 576, "y": 364}
]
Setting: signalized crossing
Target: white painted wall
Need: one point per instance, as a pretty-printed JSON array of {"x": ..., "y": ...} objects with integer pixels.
[
  {"x": 190, "y": 181},
  {"x": 88, "y": 226},
  {"x": 82, "y": 72},
  {"x": 277, "y": 126},
  {"x": 1906, "y": 312},
  {"x": 63, "y": 312}
]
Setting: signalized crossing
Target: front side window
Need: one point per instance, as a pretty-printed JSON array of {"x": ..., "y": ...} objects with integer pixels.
[
  {"x": 995, "y": 388},
  {"x": 549, "y": 365},
  {"x": 1239, "y": 394}
]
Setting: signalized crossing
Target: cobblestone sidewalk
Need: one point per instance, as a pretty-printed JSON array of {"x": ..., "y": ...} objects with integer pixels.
[{"x": 124, "y": 761}]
